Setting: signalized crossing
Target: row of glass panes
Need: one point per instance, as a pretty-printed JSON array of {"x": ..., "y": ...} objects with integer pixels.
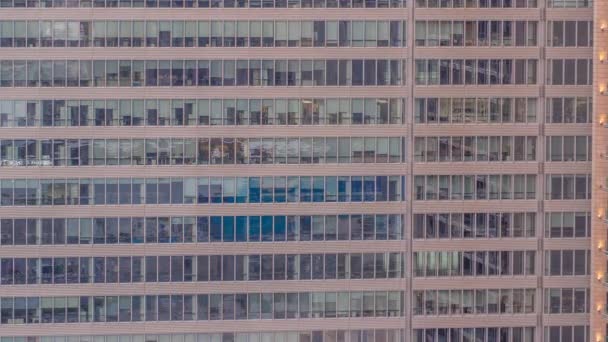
[
  {"x": 200, "y": 268},
  {"x": 567, "y": 186},
  {"x": 432, "y": 264},
  {"x": 569, "y": 33},
  {"x": 476, "y": 71},
  {"x": 200, "y": 229},
  {"x": 481, "y": 334},
  {"x": 220, "y": 33},
  {"x": 475, "y": 187},
  {"x": 474, "y": 148},
  {"x": 190, "y": 112},
  {"x": 470, "y": 302},
  {"x": 567, "y": 262},
  {"x": 201, "y": 190},
  {"x": 202, "y": 73},
  {"x": 447, "y": 110},
  {"x": 476, "y": 33},
  {"x": 503, "y": 225},
  {"x": 569, "y": 110},
  {"x": 208, "y": 3},
  {"x": 502, "y": 3},
  {"x": 567, "y": 300},
  {"x": 201, "y": 151},
  {"x": 200, "y": 307},
  {"x": 481, "y": 3},
  {"x": 502, "y": 33},
  {"x": 567, "y": 224},
  {"x": 568, "y": 148},
  {"x": 571, "y": 71},
  {"x": 378, "y": 335}
]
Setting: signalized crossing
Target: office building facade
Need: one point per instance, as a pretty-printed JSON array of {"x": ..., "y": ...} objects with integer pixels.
[{"x": 303, "y": 171}]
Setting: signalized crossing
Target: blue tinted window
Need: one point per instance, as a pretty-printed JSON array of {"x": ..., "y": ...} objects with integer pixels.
[
  {"x": 111, "y": 229},
  {"x": 331, "y": 189},
  {"x": 203, "y": 190},
  {"x": 216, "y": 228},
  {"x": 356, "y": 189},
  {"x": 381, "y": 188},
  {"x": 305, "y": 189},
  {"x": 279, "y": 228},
  {"x": 266, "y": 228},
  {"x": 254, "y": 190},
  {"x": 228, "y": 190},
  {"x": 215, "y": 189},
  {"x": 254, "y": 228},
  {"x": 100, "y": 194},
  {"x": 137, "y": 230},
  {"x": 369, "y": 188},
  {"x": 241, "y": 228},
  {"x": 394, "y": 226},
  {"x": 228, "y": 230},
  {"x": 356, "y": 227},
  {"x": 292, "y": 189},
  {"x": 343, "y": 189},
  {"x": 279, "y": 189},
  {"x": 381, "y": 227},
  {"x": 176, "y": 188},
  {"x": 151, "y": 230},
  {"x": 99, "y": 226},
  {"x": 305, "y": 228},
  {"x": 241, "y": 190},
  {"x": 318, "y": 188},
  {"x": 267, "y": 189}
]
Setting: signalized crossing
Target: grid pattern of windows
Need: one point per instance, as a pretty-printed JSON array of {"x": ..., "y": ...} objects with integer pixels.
[
  {"x": 206, "y": 3},
  {"x": 202, "y": 151},
  {"x": 202, "y": 73},
  {"x": 575, "y": 71},
  {"x": 472, "y": 148},
  {"x": 569, "y": 33},
  {"x": 476, "y": 33},
  {"x": 568, "y": 148},
  {"x": 328, "y": 170},
  {"x": 200, "y": 307},
  {"x": 566, "y": 300},
  {"x": 483, "y": 334},
  {"x": 200, "y": 268},
  {"x": 570, "y": 3},
  {"x": 474, "y": 263},
  {"x": 567, "y": 224},
  {"x": 474, "y": 187},
  {"x": 201, "y": 190},
  {"x": 567, "y": 262},
  {"x": 476, "y": 71},
  {"x": 318, "y": 33},
  {"x": 474, "y": 302},
  {"x": 202, "y": 112},
  {"x": 569, "y": 110},
  {"x": 478, "y": 3},
  {"x": 201, "y": 229},
  {"x": 567, "y": 186},
  {"x": 471, "y": 110},
  {"x": 474, "y": 225},
  {"x": 564, "y": 333},
  {"x": 354, "y": 335}
]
